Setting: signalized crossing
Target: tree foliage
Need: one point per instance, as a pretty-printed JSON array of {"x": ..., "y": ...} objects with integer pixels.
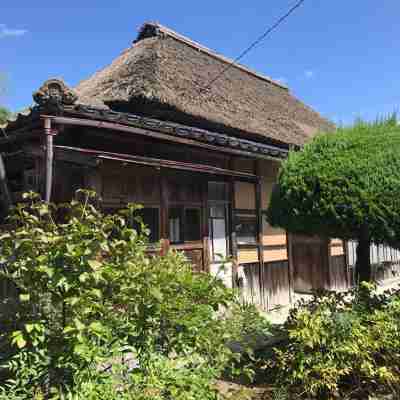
[
  {"x": 344, "y": 185},
  {"x": 4, "y": 114}
]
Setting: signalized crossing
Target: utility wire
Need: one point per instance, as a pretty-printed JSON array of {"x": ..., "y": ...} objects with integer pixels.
[{"x": 254, "y": 44}]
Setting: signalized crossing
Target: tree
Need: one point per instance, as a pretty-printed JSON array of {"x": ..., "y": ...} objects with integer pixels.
[
  {"x": 344, "y": 185},
  {"x": 4, "y": 113}
]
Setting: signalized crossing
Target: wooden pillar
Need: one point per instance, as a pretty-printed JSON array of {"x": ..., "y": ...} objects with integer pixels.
[
  {"x": 164, "y": 212},
  {"x": 326, "y": 243},
  {"x": 205, "y": 234},
  {"x": 4, "y": 185},
  {"x": 289, "y": 249},
  {"x": 345, "y": 245},
  {"x": 49, "y": 158},
  {"x": 232, "y": 233},
  {"x": 260, "y": 247},
  {"x": 93, "y": 180}
]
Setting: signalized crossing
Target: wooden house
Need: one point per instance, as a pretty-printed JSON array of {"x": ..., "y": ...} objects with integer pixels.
[{"x": 201, "y": 154}]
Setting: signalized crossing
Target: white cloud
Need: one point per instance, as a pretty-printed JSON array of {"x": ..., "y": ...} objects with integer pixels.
[
  {"x": 8, "y": 32},
  {"x": 309, "y": 73}
]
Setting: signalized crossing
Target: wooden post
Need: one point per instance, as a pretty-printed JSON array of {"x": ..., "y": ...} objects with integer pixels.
[
  {"x": 164, "y": 210},
  {"x": 327, "y": 246},
  {"x": 260, "y": 246},
  {"x": 289, "y": 247},
  {"x": 205, "y": 234},
  {"x": 49, "y": 158},
  {"x": 4, "y": 185},
  {"x": 345, "y": 245},
  {"x": 232, "y": 233}
]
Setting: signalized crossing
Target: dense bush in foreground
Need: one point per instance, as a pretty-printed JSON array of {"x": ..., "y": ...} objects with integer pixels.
[
  {"x": 342, "y": 346},
  {"x": 99, "y": 318}
]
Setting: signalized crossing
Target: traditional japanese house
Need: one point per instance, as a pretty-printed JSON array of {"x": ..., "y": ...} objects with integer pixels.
[{"x": 200, "y": 154}]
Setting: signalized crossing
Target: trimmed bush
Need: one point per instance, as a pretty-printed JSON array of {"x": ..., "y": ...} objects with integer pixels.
[{"x": 344, "y": 185}]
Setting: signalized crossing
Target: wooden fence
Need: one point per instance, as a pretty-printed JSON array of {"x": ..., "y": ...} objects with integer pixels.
[{"x": 385, "y": 262}]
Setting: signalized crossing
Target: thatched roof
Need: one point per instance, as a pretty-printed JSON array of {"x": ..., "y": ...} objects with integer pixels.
[{"x": 163, "y": 75}]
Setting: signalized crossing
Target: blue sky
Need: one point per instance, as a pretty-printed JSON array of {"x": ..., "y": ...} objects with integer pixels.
[{"x": 341, "y": 57}]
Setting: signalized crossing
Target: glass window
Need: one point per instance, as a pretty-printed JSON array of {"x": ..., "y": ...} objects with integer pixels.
[
  {"x": 192, "y": 224},
  {"x": 219, "y": 239},
  {"x": 246, "y": 229},
  {"x": 217, "y": 191},
  {"x": 218, "y": 196},
  {"x": 175, "y": 225},
  {"x": 184, "y": 224},
  {"x": 218, "y": 227},
  {"x": 217, "y": 211},
  {"x": 151, "y": 218}
]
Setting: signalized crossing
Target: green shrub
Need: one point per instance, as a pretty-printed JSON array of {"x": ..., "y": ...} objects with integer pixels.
[
  {"x": 89, "y": 294},
  {"x": 344, "y": 185},
  {"x": 342, "y": 344}
]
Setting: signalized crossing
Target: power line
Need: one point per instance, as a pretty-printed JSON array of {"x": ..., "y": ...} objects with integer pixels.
[{"x": 254, "y": 44}]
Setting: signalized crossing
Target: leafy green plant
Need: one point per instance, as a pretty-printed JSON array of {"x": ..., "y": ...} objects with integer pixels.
[
  {"x": 341, "y": 346},
  {"x": 344, "y": 185},
  {"x": 89, "y": 294}
]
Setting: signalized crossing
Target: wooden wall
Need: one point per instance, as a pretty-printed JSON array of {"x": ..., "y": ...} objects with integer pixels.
[
  {"x": 265, "y": 266},
  {"x": 264, "y": 277},
  {"x": 273, "y": 290}
]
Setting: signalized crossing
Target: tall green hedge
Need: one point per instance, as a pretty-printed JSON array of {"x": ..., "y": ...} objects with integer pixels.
[{"x": 346, "y": 185}]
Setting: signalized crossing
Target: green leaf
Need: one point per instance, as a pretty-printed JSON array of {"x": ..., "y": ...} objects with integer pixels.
[
  {"x": 79, "y": 325},
  {"x": 18, "y": 339},
  {"x": 29, "y": 327},
  {"x": 97, "y": 327},
  {"x": 94, "y": 264},
  {"x": 96, "y": 293},
  {"x": 83, "y": 277},
  {"x": 24, "y": 297},
  {"x": 20, "y": 342},
  {"x": 156, "y": 293},
  {"x": 73, "y": 300}
]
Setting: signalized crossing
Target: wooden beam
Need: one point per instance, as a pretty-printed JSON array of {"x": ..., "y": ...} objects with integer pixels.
[
  {"x": 156, "y": 135},
  {"x": 61, "y": 155},
  {"x": 20, "y": 134},
  {"x": 155, "y": 162}
]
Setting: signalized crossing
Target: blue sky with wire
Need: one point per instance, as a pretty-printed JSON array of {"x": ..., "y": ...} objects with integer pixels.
[{"x": 340, "y": 57}]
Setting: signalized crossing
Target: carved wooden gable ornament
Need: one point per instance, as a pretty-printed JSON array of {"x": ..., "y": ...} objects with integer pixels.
[{"x": 54, "y": 92}]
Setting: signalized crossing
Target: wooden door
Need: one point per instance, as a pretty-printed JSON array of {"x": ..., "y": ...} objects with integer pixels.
[
  {"x": 310, "y": 263},
  {"x": 186, "y": 216}
]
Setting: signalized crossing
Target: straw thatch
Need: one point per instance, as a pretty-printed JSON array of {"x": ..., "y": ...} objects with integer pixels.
[{"x": 164, "y": 75}]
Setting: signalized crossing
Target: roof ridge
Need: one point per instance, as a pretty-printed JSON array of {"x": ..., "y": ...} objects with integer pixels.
[{"x": 157, "y": 29}]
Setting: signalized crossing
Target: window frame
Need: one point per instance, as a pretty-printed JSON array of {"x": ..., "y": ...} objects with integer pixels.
[
  {"x": 247, "y": 217},
  {"x": 182, "y": 225},
  {"x": 115, "y": 208}
]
